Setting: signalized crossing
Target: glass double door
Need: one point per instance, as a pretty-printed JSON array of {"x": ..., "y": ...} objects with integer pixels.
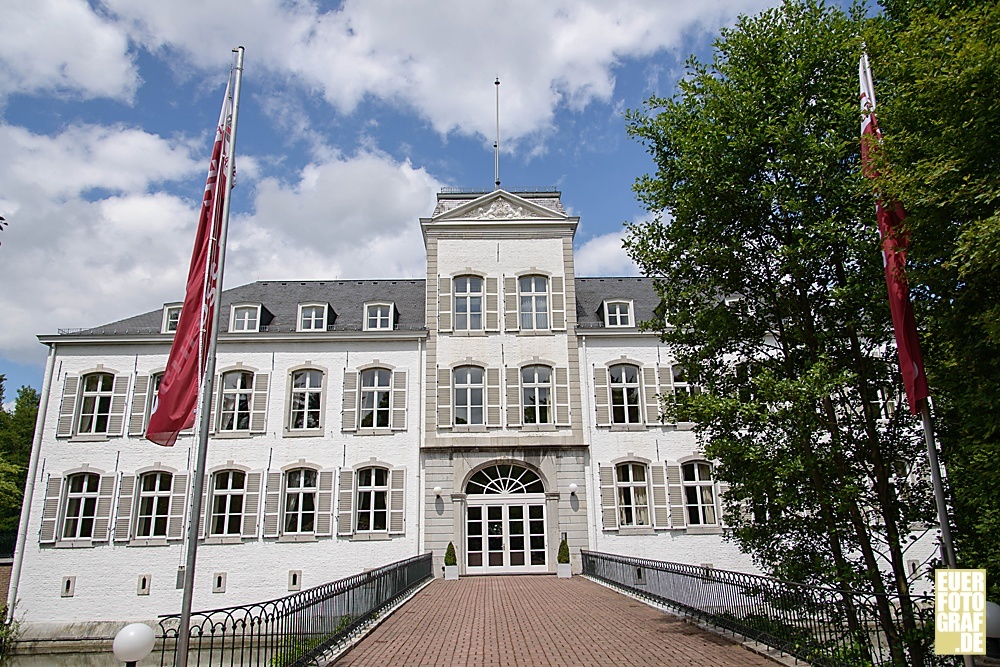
[{"x": 506, "y": 537}]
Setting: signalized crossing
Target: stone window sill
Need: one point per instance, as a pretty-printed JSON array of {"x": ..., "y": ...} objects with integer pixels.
[
  {"x": 308, "y": 537},
  {"x": 635, "y": 530},
  {"x": 96, "y": 437},
  {"x": 475, "y": 333},
  {"x": 538, "y": 427},
  {"x": 232, "y": 435},
  {"x": 466, "y": 428},
  {"x": 74, "y": 544},
  {"x": 370, "y": 537},
  {"x": 704, "y": 530},
  {"x": 303, "y": 433},
  {"x": 374, "y": 431},
  {"x": 224, "y": 539},
  {"x": 148, "y": 542},
  {"x": 628, "y": 427}
]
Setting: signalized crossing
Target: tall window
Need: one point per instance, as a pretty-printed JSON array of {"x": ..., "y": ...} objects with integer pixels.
[
  {"x": 375, "y": 398},
  {"x": 534, "y": 308},
  {"x": 300, "y": 501},
  {"x": 633, "y": 496},
  {"x": 81, "y": 506},
  {"x": 95, "y": 403},
  {"x": 154, "y": 504},
  {"x": 154, "y": 393},
  {"x": 617, "y": 314},
  {"x": 307, "y": 390},
  {"x": 312, "y": 318},
  {"x": 373, "y": 497},
  {"x": 237, "y": 397},
  {"x": 683, "y": 391},
  {"x": 625, "y": 394},
  {"x": 245, "y": 318},
  {"x": 228, "y": 489},
  {"x": 468, "y": 303},
  {"x": 468, "y": 395},
  {"x": 536, "y": 390},
  {"x": 379, "y": 316},
  {"x": 699, "y": 494}
]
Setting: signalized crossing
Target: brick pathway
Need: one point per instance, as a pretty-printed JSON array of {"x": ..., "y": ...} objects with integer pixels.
[{"x": 538, "y": 620}]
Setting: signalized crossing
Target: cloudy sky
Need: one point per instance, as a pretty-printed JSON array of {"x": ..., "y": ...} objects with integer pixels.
[{"x": 353, "y": 116}]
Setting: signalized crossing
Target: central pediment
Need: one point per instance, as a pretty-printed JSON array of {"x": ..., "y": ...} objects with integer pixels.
[{"x": 499, "y": 205}]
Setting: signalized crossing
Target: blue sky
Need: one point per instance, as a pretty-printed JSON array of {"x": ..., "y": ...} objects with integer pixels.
[{"x": 353, "y": 116}]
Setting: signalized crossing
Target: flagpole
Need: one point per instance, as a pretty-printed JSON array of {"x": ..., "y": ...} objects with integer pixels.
[
  {"x": 947, "y": 548},
  {"x": 204, "y": 409}
]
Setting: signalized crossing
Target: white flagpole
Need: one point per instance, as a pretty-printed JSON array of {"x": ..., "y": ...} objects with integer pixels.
[{"x": 183, "y": 629}]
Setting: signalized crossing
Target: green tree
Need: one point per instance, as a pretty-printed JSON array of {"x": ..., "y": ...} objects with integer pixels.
[
  {"x": 17, "y": 429},
  {"x": 765, "y": 253}
]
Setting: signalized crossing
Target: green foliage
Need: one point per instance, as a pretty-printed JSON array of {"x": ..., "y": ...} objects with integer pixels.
[
  {"x": 295, "y": 647},
  {"x": 9, "y": 632},
  {"x": 563, "y": 555},
  {"x": 449, "y": 555},
  {"x": 17, "y": 430}
]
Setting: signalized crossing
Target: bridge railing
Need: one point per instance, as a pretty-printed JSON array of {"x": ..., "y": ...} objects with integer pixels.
[
  {"x": 824, "y": 626},
  {"x": 294, "y": 630}
]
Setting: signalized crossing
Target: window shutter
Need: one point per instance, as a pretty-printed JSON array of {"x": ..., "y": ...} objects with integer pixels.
[
  {"x": 558, "y": 304},
  {"x": 601, "y": 395},
  {"x": 666, "y": 385},
  {"x": 126, "y": 494},
  {"x": 258, "y": 411},
  {"x": 119, "y": 400},
  {"x": 67, "y": 409},
  {"x": 206, "y": 509},
  {"x": 105, "y": 501},
  {"x": 272, "y": 505},
  {"x": 397, "y": 418},
  {"x": 510, "y": 321},
  {"x": 493, "y": 397},
  {"x": 562, "y": 396},
  {"x": 213, "y": 414},
  {"x": 50, "y": 510},
  {"x": 661, "y": 511},
  {"x": 324, "y": 504},
  {"x": 349, "y": 413},
  {"x": 251, "y": 504},
  {"x": 397, "y": 481},
  {"x": 609, "y": 512},
  {"x": 649, "y": 394},
  {"x": 492, "y": 304},
  {"x": 345, "y": 504},
  {"x": 444, "y": 398},
  {"x": 178, "y": 502},
  {"x": 513, "y": 397},
  {"x": 721, "y": 490},
  {"x": 444, "y": 304},
  {"x": 676, "y": 496},
  {"x": 137, "y": 420}
]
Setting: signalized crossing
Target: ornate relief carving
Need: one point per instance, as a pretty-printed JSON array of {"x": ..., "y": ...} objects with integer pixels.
[{"x": 501, "y": 209}]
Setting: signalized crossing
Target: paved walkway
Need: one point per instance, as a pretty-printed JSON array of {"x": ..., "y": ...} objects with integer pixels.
[{"x": 538, "y": 620}]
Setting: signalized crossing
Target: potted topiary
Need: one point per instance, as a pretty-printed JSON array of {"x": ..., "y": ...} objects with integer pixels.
[
  {"x": 450, "y": 563},
  {"x": 563, "y": 568}
]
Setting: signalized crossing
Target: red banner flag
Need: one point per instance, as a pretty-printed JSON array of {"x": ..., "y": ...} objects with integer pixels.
[
  {"x": 895, "y": 241},
  {"x": 177, "y": 398}
]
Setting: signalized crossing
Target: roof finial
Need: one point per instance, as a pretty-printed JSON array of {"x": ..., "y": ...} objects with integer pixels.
[{"x": 496, "y": 144}]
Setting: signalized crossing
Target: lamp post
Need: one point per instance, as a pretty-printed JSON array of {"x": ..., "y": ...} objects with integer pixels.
[{"x": 133, "y": 643}]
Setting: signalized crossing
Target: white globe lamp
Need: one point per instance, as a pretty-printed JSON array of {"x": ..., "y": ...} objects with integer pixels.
[{"x": 133, "y": 643}]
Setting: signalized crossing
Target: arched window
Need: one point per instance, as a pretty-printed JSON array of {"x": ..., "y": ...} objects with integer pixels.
[
  {"x": 625, "y": 399},
  {"x": 237, "y": 399},
  {"x": 468, "y": 303},
  {"x": 305, "y": 411},
  {"x": 372, "y": 514},
  {"x": 153, "y": 504},
  {"x": 228, "y": 490},
  {"x": 503, "y": 479},
  {"x": 536, "y": 392},
  {"x": 81, "y": 506},
  {"x": 468, "y": 393},
  {"x": 534, "y": 302},
  {"x": 375, "y": 395},
  {"x": 95, "y": 403},
  {"x": 633, "y": 494},
  {"x": 300, "y": 501},
  {"x": 699, "y": 493}
]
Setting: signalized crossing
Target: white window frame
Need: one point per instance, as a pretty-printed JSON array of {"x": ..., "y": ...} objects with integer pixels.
[
  {"x": 315, "y": 323},
  {"x": 236, "y": 392},
  {"x": 170, "y": 322},
  {"x": 244, "y": 322},
  {"x": 534, "y": 298},
  {"x": 372, "y": 491},
  {"x": 307, "y": 392},
  {"x": 468, "y": 297},
  {"x": 624, "y": 386},
  {"x": 82, "y": 513},
  {"x": 469, "y": 388},
  {"x": 535, "y": 388},
  {"x": 627, "y": 495},
  {"x": 229, "y": 493},
  {"x": 681, "y": 386},
  {"x": 160, "y": 500},
  {"x": 99, "y": 396},
  {"x": 375, "y": 398},
  {"x": 694, "y": 487},
  {"x": 613, "y": 314},
  {"x": 300, "y": 492},
  {"x": 382, "y": 321}
]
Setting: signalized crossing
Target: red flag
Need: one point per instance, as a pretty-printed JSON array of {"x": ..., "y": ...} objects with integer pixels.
[
  {"x": 895, "y": 240},
  {"x": 174, "y": 409}
]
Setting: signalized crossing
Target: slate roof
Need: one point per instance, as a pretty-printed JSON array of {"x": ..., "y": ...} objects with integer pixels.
[{"x": 592, "y": 292}]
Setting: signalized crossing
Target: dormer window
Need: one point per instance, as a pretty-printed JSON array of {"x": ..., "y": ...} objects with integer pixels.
[
  {"x": 171, "y": 317},
  {"x": 312, "y": 317},
  {"x": 379, "y": 316},
  {"x": 618, "y": 314},
  {"x": 245, "y": 318}
]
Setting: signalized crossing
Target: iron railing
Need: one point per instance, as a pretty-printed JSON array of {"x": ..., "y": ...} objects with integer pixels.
[
  {"x": 8, "y": 540},
  {"x": 295, "y": 630},
  {"x": 824, "y": 626}
]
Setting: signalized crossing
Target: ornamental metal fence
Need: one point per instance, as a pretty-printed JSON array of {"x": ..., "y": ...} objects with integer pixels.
[
  {"x": 296, "y": 630},
  {"x": 823, "y": 626}
]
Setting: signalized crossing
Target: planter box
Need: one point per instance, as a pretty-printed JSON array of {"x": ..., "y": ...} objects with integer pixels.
[
  {"x": 564, "y": 570},
  {"x": 451, "y": 572}
]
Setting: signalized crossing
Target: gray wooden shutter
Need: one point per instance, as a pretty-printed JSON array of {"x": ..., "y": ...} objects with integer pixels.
[
  {"x": 397, "y": 418},
  {"x": 272, "y": 505},
  {"x": 213, "y": 408},
  {"x": 601, "y": 396},
  {"x": 666, "y": 386},
  {"x": 510, "y": 320},
  {"x": 397, "y": 482},
  {"x": 178, "y": 505},
  {"x": 207, "y": 496},
  {"x": 444, "y": 398},
  {"x": 661, "y": 511},
  {"x": 50, "y": 510},
  {"x": 609, "y": 511},
  {"x": 251, "y": 504},
  {"x": 258, "y": 411},
  {"x": 119, "y": 401},
  {"x": 444, "y": 304},
  {"x": 493, "y": 397},
  {"x": 649, "y": 388},
  {"x": 324, "y": 504},
  {"x": 126, "y": 504},
  {"x": 513, "y": 397},
  {"x": 558, "y": 304},
  {"x": 105, "y": 501},
  {"x": 349, "y": 412},
  {"x": 137, "y": 420},
  {"x": 345, "y": 503},
  {"x": 492, "y": 304},
  {"x": 721, "y": 490},
  {"x": 562, "y": 396},
  {"x": 675, "y": 494},
  {"x": 67, "y": 408}
]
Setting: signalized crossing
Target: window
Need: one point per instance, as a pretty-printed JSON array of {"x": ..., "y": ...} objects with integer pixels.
[
  {"x": 699, "y": 494},
  {"x": 154, "y": 504},
  {"x": 468, "y": 303},
  {"x": 633, "y": 496},
  {"x": 312, "y": 317},
  {"x": 373, "y": 496},
  {"x": 245, "y": 318},
  {"x": 625, "y": 394},
  {"x": 95, "y": 403},
  {"x": 237, "y": 397},
  {"x": 536, "y": 391},
  {"x": 81, "y": 506},
  {"x": 171, "y": 317},
  {"x": 307, "y": 392},
  {"x": 618, "y": 314},
  {"x": 300, "y": 501},
  {"x": 378, "y": 316},
  {"x": 228, "y": 489},
  {"x": 468, "y": 395},
  {"x": 683, "y": 391},
  {"x": 375, "y": 392},
  {"x": 534, "y": 310}
]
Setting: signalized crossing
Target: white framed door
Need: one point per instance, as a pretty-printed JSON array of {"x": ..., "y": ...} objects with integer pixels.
[{"x": 506, "y": 535}]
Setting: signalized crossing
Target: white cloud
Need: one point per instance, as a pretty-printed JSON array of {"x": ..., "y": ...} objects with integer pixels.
[{"x": 604, "y": 256}]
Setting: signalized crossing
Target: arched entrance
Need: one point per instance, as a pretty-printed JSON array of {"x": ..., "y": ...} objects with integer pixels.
[{"x": 505, "y": 521}]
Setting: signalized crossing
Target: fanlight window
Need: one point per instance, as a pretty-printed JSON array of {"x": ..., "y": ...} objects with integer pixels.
[{"x": 500, "y": 479}]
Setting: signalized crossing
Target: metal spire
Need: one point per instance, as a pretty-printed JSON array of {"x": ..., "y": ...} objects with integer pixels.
[{"x": 496, "y": 144}]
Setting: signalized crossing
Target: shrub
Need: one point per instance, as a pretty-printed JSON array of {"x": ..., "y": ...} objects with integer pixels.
[
  {"x": 563, "y": 556},
  {"x": 449, "y": 555}
]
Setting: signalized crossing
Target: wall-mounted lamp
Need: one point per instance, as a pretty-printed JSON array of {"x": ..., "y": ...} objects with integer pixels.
[
  {"x": 437, "y": 491},
  {"x": 572, "y": 489}
]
